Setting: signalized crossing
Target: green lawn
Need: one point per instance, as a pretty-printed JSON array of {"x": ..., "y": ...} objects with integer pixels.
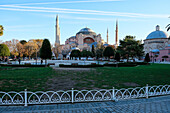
[
  {"x": 36, "y": 79},
  {"x": 155, "y": 74},
  {"x": 27, "y": 78}
]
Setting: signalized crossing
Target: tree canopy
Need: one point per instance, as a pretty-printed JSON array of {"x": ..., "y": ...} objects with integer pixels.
[
  {"x": 117, "y": 56},
  {"x": 147, "y": 58},
  {"x": 45, "y": 51},
  {"x": 75, "y": 53},
  {"x": 130, "y": 47},
  {"x": 86, "y": 54},
  {"x": 23, "y": 42},
  {"x": 1, "y": 30},
  {"x": 4, "y": 50},
  {"x": 108, "y": 52}
]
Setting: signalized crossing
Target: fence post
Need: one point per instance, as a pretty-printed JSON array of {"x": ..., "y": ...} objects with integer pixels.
[
  {"x": 146, "y": 90},
  {"x": 26, "y": 104},
  {"x": 72, "y": 95},
  {"x": 113, "y": 93}
]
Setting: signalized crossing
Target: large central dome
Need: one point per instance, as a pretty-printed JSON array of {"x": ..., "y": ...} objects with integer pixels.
[
  {"x": 87, "y": 31},
  {"x": 157, "y": 34}
]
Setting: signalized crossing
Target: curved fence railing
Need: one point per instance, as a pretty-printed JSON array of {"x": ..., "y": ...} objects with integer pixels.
[{"x": 40, "y": 97}]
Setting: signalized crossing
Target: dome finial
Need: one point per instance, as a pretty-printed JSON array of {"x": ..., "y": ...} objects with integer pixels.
[{"x": 157, "y": 28}]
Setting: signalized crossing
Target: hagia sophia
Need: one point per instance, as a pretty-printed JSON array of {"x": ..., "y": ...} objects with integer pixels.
[
  {"x": 157, "y": 43},
  {"x": 84, "y": 39}
]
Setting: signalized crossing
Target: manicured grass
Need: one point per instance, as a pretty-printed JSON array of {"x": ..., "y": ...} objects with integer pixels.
[
  {"x": 155, "y": 74},
  {"x": 37, "y": 79},
  {"x": 27, "y": 78}
]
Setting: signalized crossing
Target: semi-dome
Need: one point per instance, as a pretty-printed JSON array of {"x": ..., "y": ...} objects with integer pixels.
[
  {"x": 157, "y": 34},
  {"x": 87, "y": 31}
]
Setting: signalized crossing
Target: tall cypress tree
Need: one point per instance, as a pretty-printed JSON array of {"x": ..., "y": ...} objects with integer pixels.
[
  {"x": 93, "y": 51},
  {"x": 117, "y": 56},
  {"x": 108, "y": 52},
  {"x": 147, "y": 58},
  {"x": 45, "y": 51}
]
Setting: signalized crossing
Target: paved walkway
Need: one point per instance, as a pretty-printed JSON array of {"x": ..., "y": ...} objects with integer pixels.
[{"x": 152, "y": 105}]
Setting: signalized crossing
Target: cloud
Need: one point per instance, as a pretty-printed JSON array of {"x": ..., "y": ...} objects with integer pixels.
[
  {"x": 80, "y": 11},
  {"x": 69, "y": 2}
]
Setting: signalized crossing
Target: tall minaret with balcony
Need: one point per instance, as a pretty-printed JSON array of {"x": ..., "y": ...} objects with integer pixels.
[
  {"x": 57, "y": 41},
  {"x": 107, "y": 36},
  {"x": 116, "y": 32}
]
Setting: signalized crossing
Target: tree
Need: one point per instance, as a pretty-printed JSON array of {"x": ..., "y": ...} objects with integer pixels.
[
  {"x": 29, "y": 48},
  {"x": 147, "y": 58},
  {"x": 20, "y": 49},
  {"x": 75, "y": 53},
  {"x": 129, "y": 47},
  {"x": 93, "y": 51},
  {"x": 108, "y": 52},
  {"x": 117, "y": 56},
  {"x": 4, "y": 50},
  {"x": 1, "y": 30},
  {"x": 23, "y": 42},
  {"x": 86, "y": 54},
  {"x": 45, "y": 51},
  {"x": 57, "y": 49},
  {"x": 99, "y": 50}
]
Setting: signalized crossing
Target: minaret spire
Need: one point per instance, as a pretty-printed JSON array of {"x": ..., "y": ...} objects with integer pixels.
[
  {"x": 57, "y": 41},
  {"x": 116, "y": 38},
  {"x": 107, "y": 36}
]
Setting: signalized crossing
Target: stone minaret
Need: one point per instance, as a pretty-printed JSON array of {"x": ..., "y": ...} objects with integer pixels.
[
  {"x": 116, "y": 38},
  {"x": 57, "y": 41},
  {"x": 107, "y": 36}
]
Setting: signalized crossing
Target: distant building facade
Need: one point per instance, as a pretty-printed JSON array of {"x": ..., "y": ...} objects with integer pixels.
[
  {"x": 83, "y": 40},
  {"x": 157, "y": 45}
]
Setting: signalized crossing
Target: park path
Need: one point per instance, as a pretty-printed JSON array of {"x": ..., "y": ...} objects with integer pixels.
[{"x": 159, "y": 104}]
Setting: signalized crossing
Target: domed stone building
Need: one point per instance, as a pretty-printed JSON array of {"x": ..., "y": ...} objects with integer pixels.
[
  {"x": 157, "y": 44},
  {"x": 84, "y": 39},
  {"x": 156, "y": 40}
]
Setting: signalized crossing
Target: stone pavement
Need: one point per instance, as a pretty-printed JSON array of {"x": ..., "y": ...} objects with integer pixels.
[{"x": 159, "y": 104}]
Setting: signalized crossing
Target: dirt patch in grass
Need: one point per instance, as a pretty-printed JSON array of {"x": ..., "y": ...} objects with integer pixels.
[
  {"x": 74, "y": 69},
  {"x": 68, "y": 78}
]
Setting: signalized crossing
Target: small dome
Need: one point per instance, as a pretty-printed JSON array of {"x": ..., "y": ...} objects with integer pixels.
[
  {"x": 86, "y": 31},
  {"x": 94, "y": 43},
  {"x": 157, "y": 34},
  {"x": 75, "y": 48},
  {"x": 105, "y": 45},
  {"x": 155, "y": 50}
]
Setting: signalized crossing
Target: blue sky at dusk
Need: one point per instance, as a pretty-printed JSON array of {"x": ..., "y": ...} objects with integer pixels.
[{"x": 35, "y": 19}]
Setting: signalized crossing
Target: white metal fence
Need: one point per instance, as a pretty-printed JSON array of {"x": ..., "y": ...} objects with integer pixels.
[{"x": 40, "y": 97}]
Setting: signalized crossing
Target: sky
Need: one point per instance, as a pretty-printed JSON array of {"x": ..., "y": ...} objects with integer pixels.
[{"x": 35, "y": 19}]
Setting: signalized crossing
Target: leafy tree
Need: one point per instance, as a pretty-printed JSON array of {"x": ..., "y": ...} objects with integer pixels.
[
  {"x": 4, "y": 50},
  {"x": 93, "y": 51},
  {"x": 23, "y": 42},
  {"x": 147, "y": 58},
  {"x": 1, "y": 30},
  {"x": 45, "y": 51},
  {"x": 75, "y": 53},
  {"x": 99, "y": 51},
  {"x": 30, "y": 47},
  {"x": 86, "y": 54},
  {"x": 108, "y": 52},
  {"x": 129, "y": 47},
  {"x": 117, "y": 56},
  {"x": 20, "y": 49}
]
